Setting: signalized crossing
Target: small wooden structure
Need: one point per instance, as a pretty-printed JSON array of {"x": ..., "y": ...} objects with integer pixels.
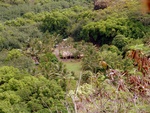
[{"x": 66, "y": 50}]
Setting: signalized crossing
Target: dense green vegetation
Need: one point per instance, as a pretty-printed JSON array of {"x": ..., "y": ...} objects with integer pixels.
[{"x": 62, "y": 56}]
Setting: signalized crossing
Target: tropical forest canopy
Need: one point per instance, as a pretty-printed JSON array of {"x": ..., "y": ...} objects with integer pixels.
[{"x": 74, "y": 56}]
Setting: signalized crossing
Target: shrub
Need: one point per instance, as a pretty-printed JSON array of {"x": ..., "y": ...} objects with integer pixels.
[
  {"x": 105, "y": 47},
  {"x": 13, "y": 54},
  {"x": 1, "y": 27},
  {"x": 49, "y": 57},
  {"x": 111, "y": 48},
  {"x": 1, "y": 43},
  {"x": 112, "y": 59},
  {"x": 19, "y": 22},
  {"x": 9, "y": 43},
  {"x": 120, "y": 41},
  {"x": 114, "y": 49}
]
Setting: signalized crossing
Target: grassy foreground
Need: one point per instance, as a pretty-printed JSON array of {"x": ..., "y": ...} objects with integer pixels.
[{"x": 73, "y": 66}]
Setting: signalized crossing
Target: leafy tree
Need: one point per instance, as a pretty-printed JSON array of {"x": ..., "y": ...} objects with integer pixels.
[
  {"x": 16, "y": 59},
  {"x": 103, "y": 32},
  {"x": 90, "y": 60},
  {"x": 116, "y": 61},
  {"x": 56, "y": 21},
  {"x": 120, "y": 41},
  {"x": 34, "y": 93},
  {"x": 135, "y": 29}
]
